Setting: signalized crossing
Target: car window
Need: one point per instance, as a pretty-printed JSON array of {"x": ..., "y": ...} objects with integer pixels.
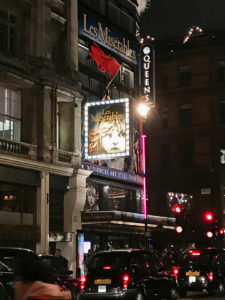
[
  {"x": 4, "y": 268},
  {"x": 203, "y": 258},
  {"x": 11, "y": 257},
  {"x": 136, "y": 259},
  {"x": 114, "y": 260},
  {"x": 151, "y": 262}
]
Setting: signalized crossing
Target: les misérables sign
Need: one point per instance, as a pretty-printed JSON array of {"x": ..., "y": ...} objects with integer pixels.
[
  {"x": 147, "y": 70},
  {"x": 97, "y": 30}
]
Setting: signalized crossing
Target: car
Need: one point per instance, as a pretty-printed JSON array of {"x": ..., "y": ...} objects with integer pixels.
[
  {"x": 62, "y": 276},
  {"x": 126, "y": 274},
  {"x": 9, "y": 260},
  {"x": 202, "y": 269}
]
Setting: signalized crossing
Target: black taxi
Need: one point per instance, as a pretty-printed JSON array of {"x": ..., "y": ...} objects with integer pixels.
[
  {"x": 126, "y": 274},
  {"x": 202, "y": 269}
]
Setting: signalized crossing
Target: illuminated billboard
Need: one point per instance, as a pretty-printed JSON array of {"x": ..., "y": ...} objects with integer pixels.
[{"x": 106, "y": 125}]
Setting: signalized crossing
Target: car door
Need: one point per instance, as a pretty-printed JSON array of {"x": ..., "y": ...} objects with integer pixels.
[{"x": 156, "y": 282}]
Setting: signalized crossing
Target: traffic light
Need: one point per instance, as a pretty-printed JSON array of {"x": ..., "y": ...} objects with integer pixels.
[
  {"x": 177, "y": 209},
  {"x": 209, "y": 216},
  {"x": 179, "y": 229},
  {"x": 209, "y": 234}
]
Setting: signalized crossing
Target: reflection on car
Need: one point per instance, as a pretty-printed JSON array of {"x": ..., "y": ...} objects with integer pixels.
[
  {"x": 202, "y": 269},
  {"x": 126, "y": 274}
]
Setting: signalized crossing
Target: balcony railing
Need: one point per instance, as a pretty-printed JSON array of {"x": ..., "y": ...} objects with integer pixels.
[
  {"x": 18, "y": 149},
  {"x": 65, "y": 157}
]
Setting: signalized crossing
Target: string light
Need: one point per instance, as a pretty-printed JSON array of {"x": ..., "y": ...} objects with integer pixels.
[{"x": 194, "y": 30}]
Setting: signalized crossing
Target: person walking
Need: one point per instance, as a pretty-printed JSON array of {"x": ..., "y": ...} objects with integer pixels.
[
  {"x": 64, "y": 261},
  {"x": 32, "y": 281}
]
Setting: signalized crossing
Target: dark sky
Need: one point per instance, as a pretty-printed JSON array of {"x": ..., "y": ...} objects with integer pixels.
[{"x": 166, "y": 18}]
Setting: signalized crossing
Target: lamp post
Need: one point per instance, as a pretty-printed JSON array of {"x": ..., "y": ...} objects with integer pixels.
[{"x": 143, "y": 109}]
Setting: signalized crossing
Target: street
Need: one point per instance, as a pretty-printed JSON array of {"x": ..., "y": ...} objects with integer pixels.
[{"x": 198, "y": 295}]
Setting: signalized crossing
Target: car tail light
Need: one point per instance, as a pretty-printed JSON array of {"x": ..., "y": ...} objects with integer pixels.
[
  {"x": 107, "y": 268},
  {"x": 210, "y": 276},
  {"x": 175, "y": 271},
  {"x": 195, "y": 253},
  {"x": 125, "y": 279},
  {"x": 83, "y": 279}
]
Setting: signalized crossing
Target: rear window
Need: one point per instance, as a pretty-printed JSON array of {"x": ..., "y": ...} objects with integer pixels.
[
  {"x": 112, "y": 260},
  {"x": 203, "y": 257}
]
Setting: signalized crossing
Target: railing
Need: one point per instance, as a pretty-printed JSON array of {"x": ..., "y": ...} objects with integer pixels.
[
  {"x": 65, "y": 157},
  {"x": 18, "y": 148}
]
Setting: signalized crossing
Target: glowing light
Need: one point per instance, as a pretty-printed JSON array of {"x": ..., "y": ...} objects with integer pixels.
[
  {"x": 143, "y": 147},
  {"x": 209, "y": 234},
  {"x": 194, "y": 30},
  {"x": 143, "y": 109},
  {"x": 179, "y": 229}
]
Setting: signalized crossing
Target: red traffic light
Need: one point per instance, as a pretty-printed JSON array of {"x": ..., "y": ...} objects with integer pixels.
[
  {"x": 177, "y": 208},
  {"x": 209, "y": 234},
  {"x": 179, "y": 229},
  {"x": 208, "y": 216},
  {"x": 221, "y": 231}
]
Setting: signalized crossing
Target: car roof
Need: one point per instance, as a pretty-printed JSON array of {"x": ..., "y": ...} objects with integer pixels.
[
  {"x": 120, "y": 250},
  {"x": 17, "y": 249}
]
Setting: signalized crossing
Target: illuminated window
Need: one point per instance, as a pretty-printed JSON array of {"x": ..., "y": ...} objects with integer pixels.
[
  {"x": 184, "y": 76},
  {"x": 222, "y": 156},
  {"x": 10, "y": 113},
  {"x": 9, "y": 33},
  {"x": 185, "y": 115}
]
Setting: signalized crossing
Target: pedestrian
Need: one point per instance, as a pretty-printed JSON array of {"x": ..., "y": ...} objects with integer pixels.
[
  {"x": 64, "y": 261},
  {"x": 31, "y": 281}
]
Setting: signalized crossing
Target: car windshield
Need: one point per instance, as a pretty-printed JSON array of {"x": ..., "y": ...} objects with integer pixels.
[
  {"x": 200, "y": 257},
  {"x": 113, "y": 260},
  {"x": 11, "y": 257}
]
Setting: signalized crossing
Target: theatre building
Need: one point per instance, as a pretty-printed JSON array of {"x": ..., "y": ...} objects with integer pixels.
[{"x": 112, "y": 216}]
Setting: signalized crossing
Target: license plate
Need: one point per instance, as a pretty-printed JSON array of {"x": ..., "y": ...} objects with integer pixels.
[
  {"x": 102, "y": 281},
  {"x": 102, "y": 289},
  {"x": 192, "y": 279},
  {"x": 190, "y": 273}
]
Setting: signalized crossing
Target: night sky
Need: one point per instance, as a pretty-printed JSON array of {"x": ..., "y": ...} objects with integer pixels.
[{"x": 167, "y": 18}]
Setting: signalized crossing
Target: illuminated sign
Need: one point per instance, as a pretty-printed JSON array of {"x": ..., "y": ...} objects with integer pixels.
[
  {"x": 113, "y": 173},
  {"x": 148, "y": 74},
  {"x": 96, "y": 30},
  {"x": 106, "y": 127}
]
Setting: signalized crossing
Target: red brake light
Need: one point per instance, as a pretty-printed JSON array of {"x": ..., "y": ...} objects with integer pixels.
[
  {"x": 175, "y": 271},
  {"x": 107, "y": 268},
  {"x": 125, "y": 279},
  {"x": 195, "y": 253},
  {"x": 210, "y": 276},
  {"x": 83, "y": 279}
]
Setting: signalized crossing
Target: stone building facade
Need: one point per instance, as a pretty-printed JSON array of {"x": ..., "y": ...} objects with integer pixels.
[{"x": 186, "y": 129}]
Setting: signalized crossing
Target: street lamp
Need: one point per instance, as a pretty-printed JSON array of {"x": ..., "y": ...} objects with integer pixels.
[{"x": 143, "y": 109}]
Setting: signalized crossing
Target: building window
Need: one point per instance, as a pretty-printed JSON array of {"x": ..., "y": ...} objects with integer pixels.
[
  {"x": 187, "y": 151},
  {"x": 114, "y": 14},
  {"x": 165, "y": 156},
  {"x": 164, "y": 80},
  {"x": 165, "y": 118},
  {"x": 221, "y": 71},
  {"x": 222, "y": 111},
  {"x": 184, "y": 76},
  {"x": 17, "y": 204},
  {"x": 222, "y": 156},
  {"x": 9, "y": 33},
  {"x": 127, "y": 77},
  {"x": 185, "y": 115},
  {"x": 82, "y": 55},
  {"x": 10, "y": 113},
  {"x": 127, "y": 22},
  {"x": 99, "y": 6}
]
